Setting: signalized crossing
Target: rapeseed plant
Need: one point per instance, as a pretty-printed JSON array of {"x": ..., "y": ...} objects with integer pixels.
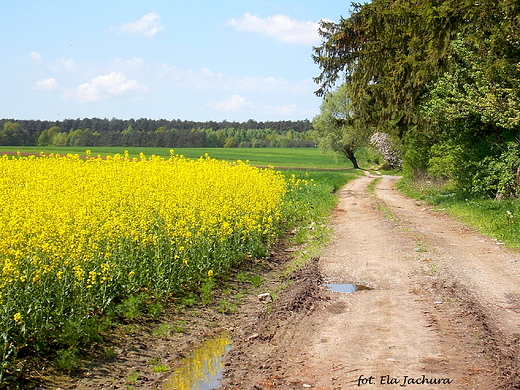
[{"x": 80, "y": 236}]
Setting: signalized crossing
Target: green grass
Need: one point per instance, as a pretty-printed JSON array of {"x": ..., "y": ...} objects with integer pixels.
[
  {"x": 277, "y": 157},
  {"x": 496, "y": 219}
]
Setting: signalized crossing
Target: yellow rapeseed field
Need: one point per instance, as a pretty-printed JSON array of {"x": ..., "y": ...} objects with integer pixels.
[{"x": 78, "y": 235}]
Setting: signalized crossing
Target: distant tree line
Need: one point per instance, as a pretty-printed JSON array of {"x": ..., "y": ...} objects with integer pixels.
[{"x": 155, "y": 133}]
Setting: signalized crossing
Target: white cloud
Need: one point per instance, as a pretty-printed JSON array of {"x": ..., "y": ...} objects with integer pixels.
[
  {"x": 289, "y": 110},
  {"x": 148, "y": 26},
  {"x": 233, "y": 103},
  {"x": 49, "y": 84},
  {"x": 64, "y": 64},
  {"x": 103, "y": 87},
  {"x": 237, "y": 104},
  {"x": 36, "y": 56},
  {"x": 281, "y": 27},
  {"x": 133, "y": 62},
  {"x": 205, "y": 79}
]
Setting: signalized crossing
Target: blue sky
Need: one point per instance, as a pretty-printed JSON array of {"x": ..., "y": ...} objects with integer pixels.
[{"x": 183, "y": 59}]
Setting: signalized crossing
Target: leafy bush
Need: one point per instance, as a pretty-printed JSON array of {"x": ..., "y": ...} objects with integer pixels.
[
  {"x": 444, "y": 160},
  {"x": 498, "y": 176}
]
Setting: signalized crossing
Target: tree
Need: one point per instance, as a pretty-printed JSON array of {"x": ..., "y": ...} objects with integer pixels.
[
  {"x": 45, "y": 138},
  {"x": 73, "y": 139},
  {"x": 474, "y": 116},
  {"x": 465, "y": 91},
  {"x": 230, "y": 142},
  {"x": 14, "y": 134},
  {"x": 335, "y": 128},
  {"x": 383, "y": 144},
  {"x": 441, "y": 75},
  {"x": 390, "y": 50}
]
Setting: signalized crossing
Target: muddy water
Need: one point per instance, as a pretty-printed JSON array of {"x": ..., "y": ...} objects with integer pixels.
[
  {"x": 202, "y": 370},
  {"x": 347, "y": 287}
]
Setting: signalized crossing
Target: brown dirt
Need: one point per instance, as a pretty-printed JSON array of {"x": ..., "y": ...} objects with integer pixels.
[{"x": 445, "y": 308}]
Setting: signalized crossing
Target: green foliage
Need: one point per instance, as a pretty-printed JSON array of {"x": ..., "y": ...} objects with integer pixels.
[
  {"x": 226, "y": 307},
  {"x": 67, "y": 360},
  {"x": 133, "y": 306},
  {"x": 80, "y": 332},
  {"x": 148, "y": 132},
  {"x": 417, "y": 146},
  {"x": 133, "y": 377},
  {"x": 206, "y": 289},
  {"x": 498, "y": 177},
  {"x": 368, "y": 155},
  {"x": 164, "y": 330},
  {"x": 444, "y": 160},
  {"x": 256, "y": 280},
  {"x": 466, "y": 91},
  {"x": 441, "y": 75},
  {"x": 108, "y": 353},
  {"x": 12, "y": 133},
  {"x": 157, "y": 366},
  {"x": 311, "y": 195},
  {"x": 155, "y": 309},
  {"x": 161, "y": 368},
  {"x": 242, "y": 277},
  {"x": 388, "y": 51},
  {"x": 476, "y": 116},
  {"x": 334, "y": 128}
]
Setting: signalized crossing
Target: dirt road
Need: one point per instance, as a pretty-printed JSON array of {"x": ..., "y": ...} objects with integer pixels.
[{"x": 444, "y": 312}]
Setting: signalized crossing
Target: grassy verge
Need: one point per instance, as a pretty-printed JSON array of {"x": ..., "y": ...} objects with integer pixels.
[
  {"x": 308, "y": 209},
  {"x": 497, "y": 219}
]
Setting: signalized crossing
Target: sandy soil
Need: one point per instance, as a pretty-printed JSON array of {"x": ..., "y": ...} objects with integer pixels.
[{"x": 444, "y": 312}]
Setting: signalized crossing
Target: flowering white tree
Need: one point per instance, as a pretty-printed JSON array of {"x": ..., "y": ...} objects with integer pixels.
[{"x": 383, "y": 144}]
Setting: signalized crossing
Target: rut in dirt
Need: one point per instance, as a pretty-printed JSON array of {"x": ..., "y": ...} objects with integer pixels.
[{"x": 443, "y": 312}]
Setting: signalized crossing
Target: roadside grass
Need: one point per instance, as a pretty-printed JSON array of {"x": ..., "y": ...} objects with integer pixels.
[{"x": 493, "y": 218}]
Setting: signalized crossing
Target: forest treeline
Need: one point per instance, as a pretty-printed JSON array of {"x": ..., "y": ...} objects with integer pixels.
[{"x": 155, "y": 133}]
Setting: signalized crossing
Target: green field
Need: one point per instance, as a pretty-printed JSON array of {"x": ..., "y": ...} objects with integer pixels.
[{"x": 277, "y": 157}]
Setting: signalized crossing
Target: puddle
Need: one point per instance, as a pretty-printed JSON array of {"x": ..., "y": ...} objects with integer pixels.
[
  {"x": 202, "y": 370},
  {"x": 347, "y": 287}
]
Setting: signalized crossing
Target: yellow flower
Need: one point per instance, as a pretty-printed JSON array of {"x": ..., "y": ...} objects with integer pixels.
[{"x": 68, "y": 221}]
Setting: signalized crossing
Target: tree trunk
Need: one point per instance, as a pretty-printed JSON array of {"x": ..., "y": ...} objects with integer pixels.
[{"x": 349, "y": 153}]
